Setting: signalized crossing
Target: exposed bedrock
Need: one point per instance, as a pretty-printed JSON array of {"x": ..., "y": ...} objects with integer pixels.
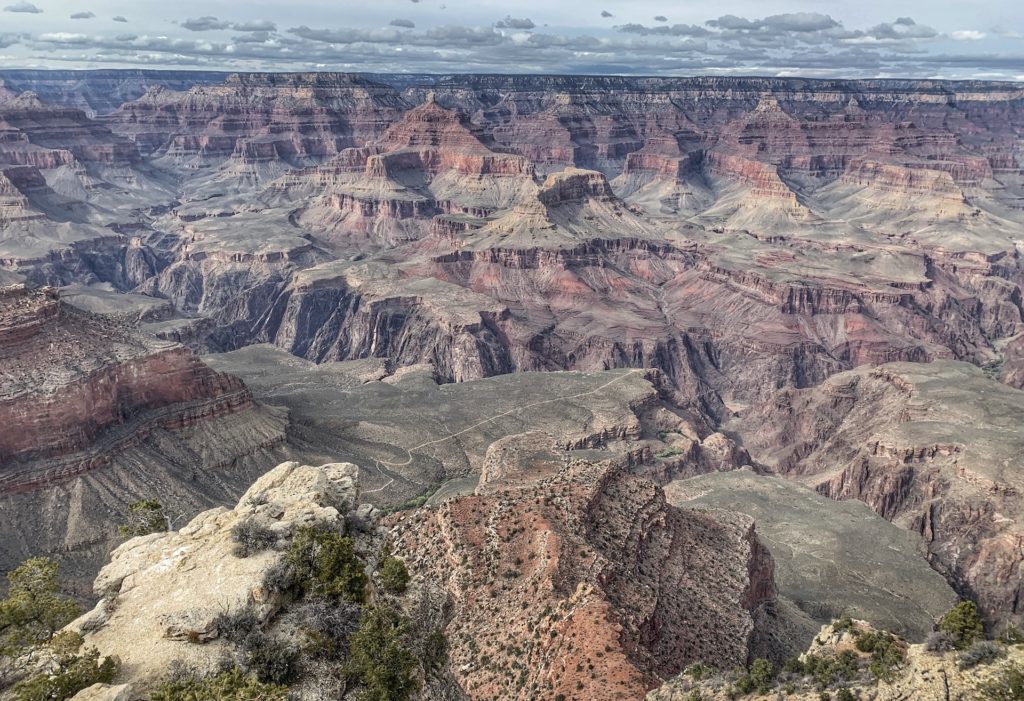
[
  {"x": 932, "y": 447},
  {"x": 621, "y": 586}
]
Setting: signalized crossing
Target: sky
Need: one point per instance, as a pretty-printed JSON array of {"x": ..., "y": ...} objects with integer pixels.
[{"x": 981, "y": 39}]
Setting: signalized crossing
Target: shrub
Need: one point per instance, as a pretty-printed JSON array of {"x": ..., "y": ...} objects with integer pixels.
[
  {"x": 144, "y": 517},
  {"x": 231, "y": 685},
  {"x": 886, "y": 652},
  {"x": 1007, "y": 686},
  {"x": 981, "y": 652},
  {"x": 394, "y": 576},
  {"x": 251, "y": 537},
  {"x": 378, "y": 659},
  {"x": 328, "y": 625},
  {"x": 271, "y": 660},
  {"x": 939, "y": 641},
  {"x": 794, "y": 665},
  {"x": 33, "y": 611},
  {"x": 842, "y": 625},
  {"x": 435, "y": 651},
  {"x": 845, "y": 694},
  {"x": 698, "y": 671},
  {"x": 236, "y": 626},
  {"x": 762, "y": 674},
  {"x": 74, "y": 672},
  {"x": 326, "y": 565},
  {"x": 963, "y": 623},
  {"x": 280, "y": 577}
]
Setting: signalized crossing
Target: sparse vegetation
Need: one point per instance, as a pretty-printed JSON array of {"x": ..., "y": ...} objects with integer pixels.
[
  {"x": 251, "y": 537},
  {"x": 33, "y": 609},
  {"x": 145, "y": 516},
  {"x": 1007, "y": 686},
  {"x": 378, "y": 658},
  {"x": 963, "y": 623},
  {"x": 981, "y": 652},
  {"x": 232, "y": 685},
  {"x": 73, "y": 672},
  {"x": 394, "y": 576},
  {"x": 326, "y": 565}
]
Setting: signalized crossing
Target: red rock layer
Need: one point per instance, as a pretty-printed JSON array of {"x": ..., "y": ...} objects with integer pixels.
[
  {"x": 68, "y": 378},
  {"x": 583, "y": 582}
]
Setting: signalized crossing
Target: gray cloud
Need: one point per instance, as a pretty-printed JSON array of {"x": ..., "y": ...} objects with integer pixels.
[
  {"x": 8, "y": 39},
  {"x": 806, "y": 43},
  {"x": 513, "y": 23},
  {"x": 606, "y": 14},
  {"x": 254, "y": 26},
  {"x": 676, "y": 30},
  {"x": 23, "y": 6},
  {"x": 83, "y": 15},
  {"x": 119, "y": 18},
  {"x": 205, "y": 24},
  {"x": 661, "y": 18}
]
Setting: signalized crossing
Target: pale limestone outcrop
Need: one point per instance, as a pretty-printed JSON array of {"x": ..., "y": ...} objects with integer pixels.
[{"x": 162, "y": 593}]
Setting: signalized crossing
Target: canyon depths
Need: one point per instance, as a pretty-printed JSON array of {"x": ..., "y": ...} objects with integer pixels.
[{"x": 660, "y": 302}]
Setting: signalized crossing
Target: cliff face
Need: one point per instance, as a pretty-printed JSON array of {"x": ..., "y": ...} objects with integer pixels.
[
  {"x": 68, "y": 377},
  {"x": 579, "y": 579},
  {"x": 911, "y": 443}
]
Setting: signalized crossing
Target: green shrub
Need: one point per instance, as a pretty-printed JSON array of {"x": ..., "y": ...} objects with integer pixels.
[
  {"x": 144, "y": 517},
  {"x": 251, "y": 537},
  {"x": 698, "y": 671},
  {"x": 74, "y": 672},
  {"x": 1007, "y": 686},
  {"x": 762, "y": 674},
  {"x": 394, "y": 576},
  {"x": 33, "y": 611},
  {"x": 845, "y": 694},
  {"x": 232, "y": 685},
  {"x": 964, "y": 623},
  {"x": 435, "y": 651},
  {"x": 378, "y": 659},
  {"x": 981, "y": 652},
  {"x": 794, "y": 665},
  {"x": 886, "y": 653},
  {"x": 326, "y": 565},
  {"x": 842, "y": 625}
]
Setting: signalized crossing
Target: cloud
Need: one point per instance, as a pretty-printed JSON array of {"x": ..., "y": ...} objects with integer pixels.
[
  {"x": 254, "y": 26},
  {"x": 205, "y": 24},
  {"x": 676, "y": 30},
  {"x": 803, "y": 43},
  {"x": 513, "y": 23},
  {"x": 606, "y": 14},
  {"x": 23, "y": 6},
  {"x": 119, "y": 18},
  {"x": 661, "y": 18},
  {"x": 967, "y": 35},
  {"x": 9, "y": 39},
  {"x": 83, "y": 15}
]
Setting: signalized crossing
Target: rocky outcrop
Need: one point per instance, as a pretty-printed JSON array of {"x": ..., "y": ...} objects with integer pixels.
[
  {"x": 578, "y": 579},
  {"x": 163, "y": 593}
]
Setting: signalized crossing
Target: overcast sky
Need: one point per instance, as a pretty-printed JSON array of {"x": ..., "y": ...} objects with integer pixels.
[{"x": 866, "y": 38}]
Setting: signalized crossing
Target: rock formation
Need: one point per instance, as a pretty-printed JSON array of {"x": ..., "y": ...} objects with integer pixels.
[{"x": 930, "y": 447}]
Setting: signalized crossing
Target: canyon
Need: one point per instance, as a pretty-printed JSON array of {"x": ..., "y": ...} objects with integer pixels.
[{"x": 601, "y": 327}]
